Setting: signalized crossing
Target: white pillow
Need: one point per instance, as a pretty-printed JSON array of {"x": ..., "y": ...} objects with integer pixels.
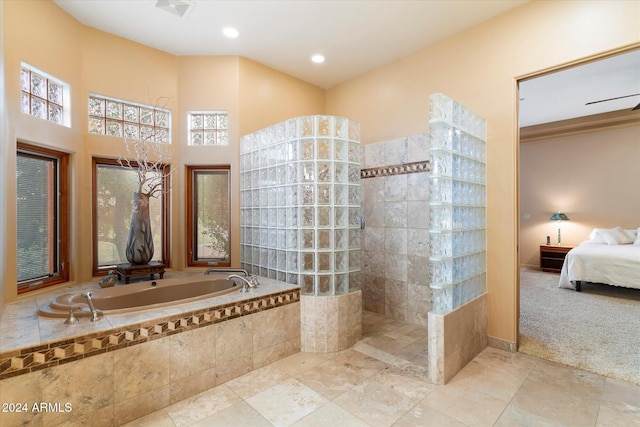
[
  {"x": 637, "y": 242},
  {"x": 614, "y": 236}
]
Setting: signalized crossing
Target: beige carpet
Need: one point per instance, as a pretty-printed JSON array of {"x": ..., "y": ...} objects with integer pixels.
[{"x": 597, "y": 330}]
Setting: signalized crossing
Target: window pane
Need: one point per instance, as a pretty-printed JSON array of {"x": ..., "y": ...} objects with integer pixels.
[
  {"x": 35, "y": 217},
  {"x": 115, "y": 186},
  {"x": 211, "y": 209}
]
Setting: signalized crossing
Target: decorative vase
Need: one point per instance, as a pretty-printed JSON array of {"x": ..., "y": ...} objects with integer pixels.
[{"x": 139, "y": 248}]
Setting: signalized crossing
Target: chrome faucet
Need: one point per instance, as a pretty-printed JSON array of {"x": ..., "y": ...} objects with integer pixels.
[
  {"x": 226, "y": 270},
  {"x": 94, "y": 312},
  {"x": 246, "y": 284}
]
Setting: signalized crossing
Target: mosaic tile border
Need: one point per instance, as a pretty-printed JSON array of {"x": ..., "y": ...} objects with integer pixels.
[
  {"x": 26, "y": 360},
  {"x": 392, "y": 170}
]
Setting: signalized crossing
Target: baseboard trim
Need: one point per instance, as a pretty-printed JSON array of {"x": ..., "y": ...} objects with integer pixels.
[{"x": 501, "y": 344}]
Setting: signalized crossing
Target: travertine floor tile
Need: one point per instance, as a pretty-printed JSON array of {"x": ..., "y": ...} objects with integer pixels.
[
  {"x": 382, "y": 381},
  {"x": 287, "y": 402},
  {"x": 465, "y": 405},
  {"x": 376, "y": 403},
  {"x": 300, "y": 362},
  {"x": 341, "y": 373},
  {"x": 155, "y": 419},
  {"x": 202, "y": 405},
  {"x": 422, "y": 415},
  {"x": 330, "y": 414},
  {"x": 239, "y": 414},
  {"x": 257, "y": 381}
]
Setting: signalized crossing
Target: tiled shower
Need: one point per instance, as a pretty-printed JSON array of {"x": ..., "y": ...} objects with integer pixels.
[{"x": 395, "y": 183}]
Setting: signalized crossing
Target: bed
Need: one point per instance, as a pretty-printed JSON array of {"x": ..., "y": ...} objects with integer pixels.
[{"x": 599, "y": 260}]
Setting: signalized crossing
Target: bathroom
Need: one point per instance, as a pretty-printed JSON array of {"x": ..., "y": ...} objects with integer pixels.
[{"x": 93, "y": 61}]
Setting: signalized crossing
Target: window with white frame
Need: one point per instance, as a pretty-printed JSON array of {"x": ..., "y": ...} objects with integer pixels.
[
  {"x": 208, "y": 128},
  {"x": 44, "y": 96},
  {"x": 124, "y": 119}
]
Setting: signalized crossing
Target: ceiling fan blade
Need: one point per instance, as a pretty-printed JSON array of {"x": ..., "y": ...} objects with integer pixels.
[
  {"x": 637, "y": 107},
  {"x": 611, "y": 99}
]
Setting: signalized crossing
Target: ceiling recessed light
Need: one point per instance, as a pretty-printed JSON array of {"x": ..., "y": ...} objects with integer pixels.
[
  {"x": 318, "y": 59},
  {"x": 230, "y": 32}
]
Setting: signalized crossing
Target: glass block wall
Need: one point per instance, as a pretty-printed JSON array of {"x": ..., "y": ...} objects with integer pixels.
[
  {"x": 457, "y": 203},
  {"x": 300, "y": 203}
]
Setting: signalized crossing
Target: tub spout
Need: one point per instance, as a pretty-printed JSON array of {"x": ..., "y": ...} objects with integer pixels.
[
  {"x": 246, "y": 284},
  {"x": 226, "y": 270},
  {"x": 94, "y": 312}
]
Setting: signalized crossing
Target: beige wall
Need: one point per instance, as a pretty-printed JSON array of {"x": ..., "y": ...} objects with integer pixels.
[
  {"x": 268, "y": 97},
  {"x": 4, "y": 155},
  {"x": 593, "y": 178},
  {"x": 479, "y": 68},
  {"x": 92, "y": 61}
]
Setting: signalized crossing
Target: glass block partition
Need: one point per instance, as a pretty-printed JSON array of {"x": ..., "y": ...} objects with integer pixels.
[
  {"x": 457, "y": 204},
  {"x": 300, "y": 203}
]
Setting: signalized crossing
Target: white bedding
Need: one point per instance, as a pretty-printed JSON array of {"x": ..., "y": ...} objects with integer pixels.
[{"x": 617, "y": 265}]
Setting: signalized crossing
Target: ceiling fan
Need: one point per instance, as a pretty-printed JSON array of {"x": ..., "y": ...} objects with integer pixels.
[{"x": 637, "y": 107}]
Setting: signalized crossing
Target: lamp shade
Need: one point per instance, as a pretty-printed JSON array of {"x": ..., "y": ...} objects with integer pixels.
[{"x": 559, "y": 216}]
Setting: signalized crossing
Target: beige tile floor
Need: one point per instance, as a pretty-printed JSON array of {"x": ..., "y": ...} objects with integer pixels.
[{"x": 381, "y": 382}]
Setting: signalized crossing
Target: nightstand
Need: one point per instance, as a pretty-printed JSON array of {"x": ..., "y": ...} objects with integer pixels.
[{"x": 552, "y": 257}]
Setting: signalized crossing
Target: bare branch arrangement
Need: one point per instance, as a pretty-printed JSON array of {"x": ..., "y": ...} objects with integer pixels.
[{"x": 148, "y": 158}]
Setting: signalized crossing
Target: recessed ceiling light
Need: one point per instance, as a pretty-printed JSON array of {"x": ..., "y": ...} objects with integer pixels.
[
  {"x": 317, "y": 58},
  {"x": 230, "y": 32},
  {"x": 176, "y": 7}
]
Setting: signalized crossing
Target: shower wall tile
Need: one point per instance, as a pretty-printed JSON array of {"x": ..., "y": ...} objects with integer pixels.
[
  {"x": 374, "y": 156},
  {"x": 418, "y": 147},
  {"x": 418, "y": 241},
  {"x": 374, "y": 239},
  {"x": 395, "y": 151},
  {"x": 395, "y": 267},
  {"x": 396, "y": 236},
  {"x": 418, "y": 270},
  {"x": 395, "y": 293},
  {"x": 417, "y": 186},
  {"x": 395, "y": 188},
  {"x": 396, "y": 241},
  {"x": 395, "y": 214},
  {"x": 418, "y": 214}
]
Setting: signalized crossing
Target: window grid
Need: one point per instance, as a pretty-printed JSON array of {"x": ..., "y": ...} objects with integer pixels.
[
  {"x": 208, "y": 128},
  {"x": 41, "y": 97},
  {"x": 123, "y": 119}
]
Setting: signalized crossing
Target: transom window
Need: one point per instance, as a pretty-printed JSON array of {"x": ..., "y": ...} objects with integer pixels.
[
  {"x": 44, "y": 96},
  {"x": 208, "y": 128},
  {"x": 208, "y": 215},
  {"x": 124, "y": 119},
  {"x": 42, "y": 216}
]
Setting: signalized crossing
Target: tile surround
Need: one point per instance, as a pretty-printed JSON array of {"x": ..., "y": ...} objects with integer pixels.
[{"x": 124, "y": 373}]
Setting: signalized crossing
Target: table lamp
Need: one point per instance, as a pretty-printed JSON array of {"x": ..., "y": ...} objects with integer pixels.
[{"x": 559, "y": 216}]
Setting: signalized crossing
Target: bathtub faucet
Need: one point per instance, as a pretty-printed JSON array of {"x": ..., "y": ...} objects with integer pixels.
[
  {"x": 94, "y": 312},
  {"x": 246, "y": 284},
  {"x": 226, "y": 270}
]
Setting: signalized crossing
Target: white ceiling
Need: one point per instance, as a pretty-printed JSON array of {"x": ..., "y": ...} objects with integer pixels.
[
  {"x": 563, "y": 95},
  {"x": 355, "y": 36}
]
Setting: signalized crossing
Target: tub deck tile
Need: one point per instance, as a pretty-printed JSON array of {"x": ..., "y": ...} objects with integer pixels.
[{"x": 102, "y": 337}]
